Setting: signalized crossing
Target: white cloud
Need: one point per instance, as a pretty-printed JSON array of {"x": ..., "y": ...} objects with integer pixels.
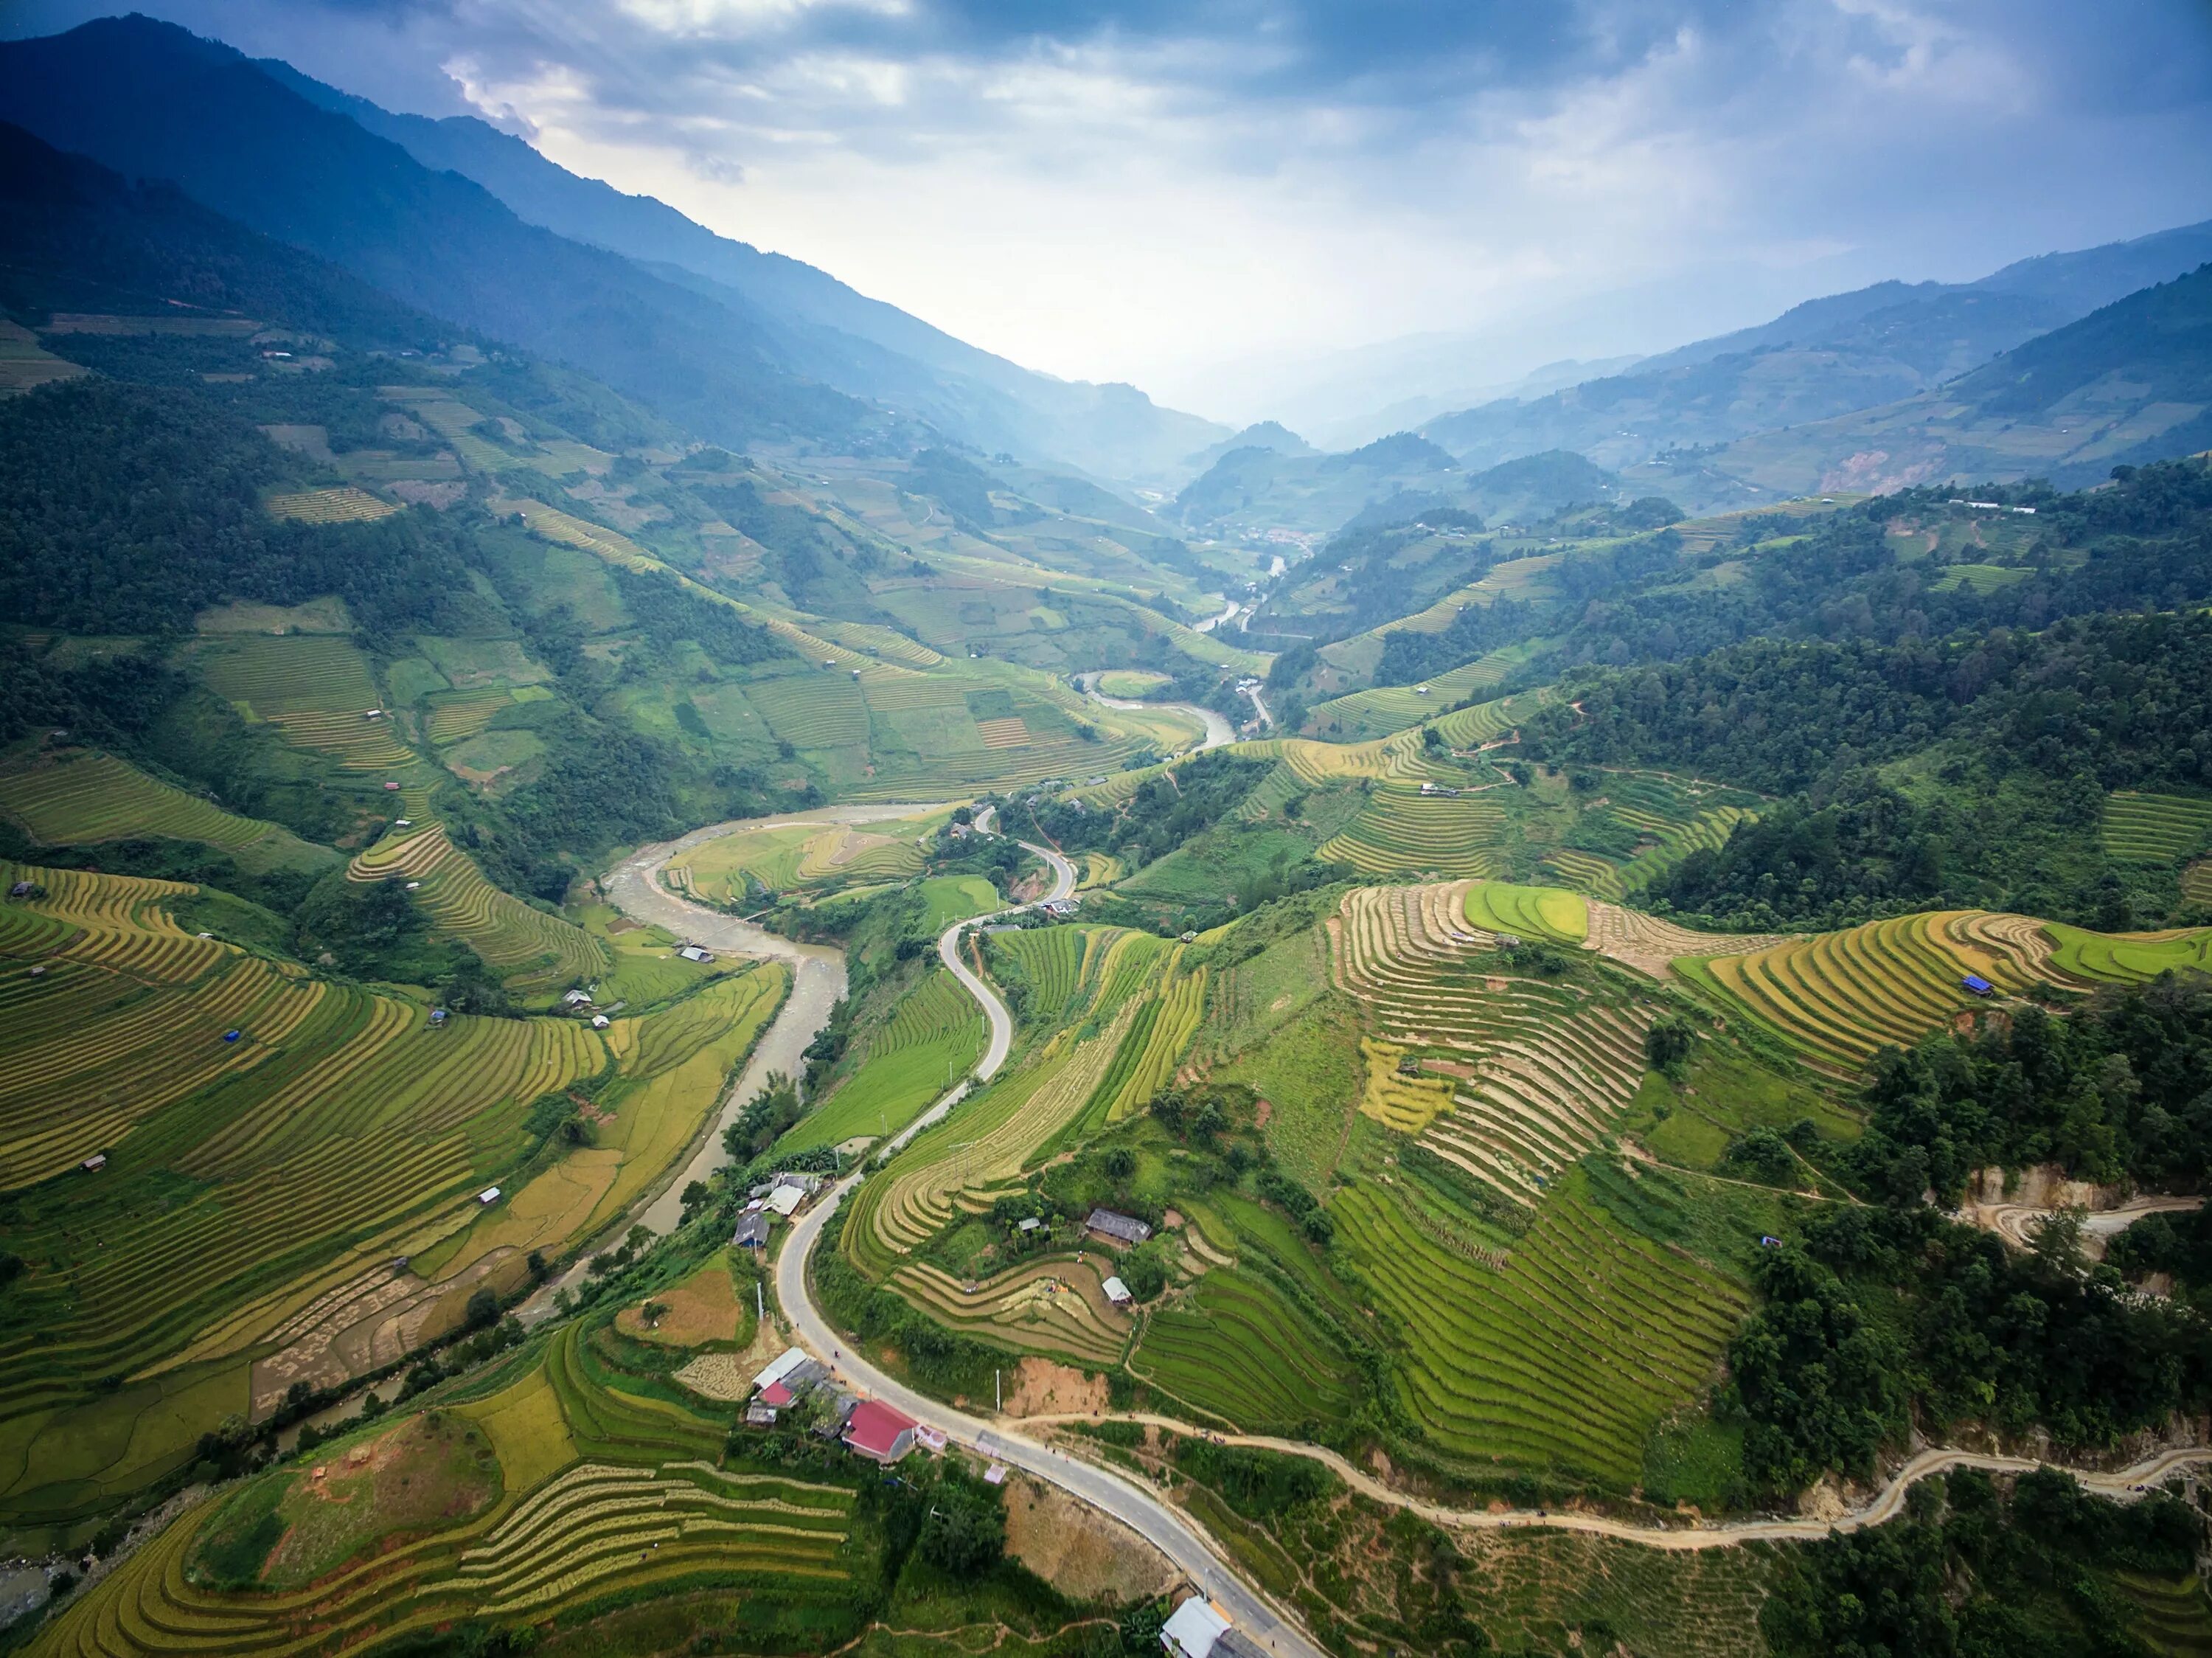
[{"x": 1143, "y": 196}]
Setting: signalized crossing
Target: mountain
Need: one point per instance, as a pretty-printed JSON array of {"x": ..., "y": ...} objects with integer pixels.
[
  {"x": 1817, "y": 360},
  {"x": 154, "y": 101},
  {"x": 1269, "y": 435},
  {"x": 1253, "y": 489},
  {"x": 2127, "y": 384},
  {"x": 825, "y": 329}
]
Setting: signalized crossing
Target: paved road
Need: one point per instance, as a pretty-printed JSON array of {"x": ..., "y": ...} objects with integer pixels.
[
  {"x": 631, "y": 886},
  {"x": 1154, "y": 1520}
]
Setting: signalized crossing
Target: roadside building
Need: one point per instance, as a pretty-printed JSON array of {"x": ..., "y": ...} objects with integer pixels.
[
  {"x": 752, "y": 1231},
  {"x": 782, "y": 1368},
  {"x": 1200, "y": 1627},
  {"x": 880, "y": 1433},
  {"x": 1116, "y": 1228}
]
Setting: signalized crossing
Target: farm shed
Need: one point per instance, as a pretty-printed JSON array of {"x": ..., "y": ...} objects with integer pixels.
[
  {"x": 1117, "y": 1292},
  {"x": 693, "y": 953},
  {"x": 879, "y": 1432},
  {"x": 785, "y": 1200},
  {"x": 752, "y": 1231},
  {"x": 758, "y": 1415},
  {"x": 576, "y": 999},
  {"x": 600, "y": 1022},
  {"x": 94, "y": 1163},
  {"x": 1978, "y": 985},
  {"x": 1117, "y": 1229},
  {"x": 489, "y": 1195}
]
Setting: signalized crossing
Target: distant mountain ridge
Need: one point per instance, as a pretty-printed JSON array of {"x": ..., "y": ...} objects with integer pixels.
[
  {"x": 737, "y": 345},
  {"x": 2127, "y": 384},
  {"x": 1822, "y": 359},
  {"x": 828, "y": 330}
]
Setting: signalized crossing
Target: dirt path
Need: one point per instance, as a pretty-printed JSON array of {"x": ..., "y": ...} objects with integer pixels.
[
  {"x": 2124, "y": 1485},
  {"x": 2016, "y": 1222}
]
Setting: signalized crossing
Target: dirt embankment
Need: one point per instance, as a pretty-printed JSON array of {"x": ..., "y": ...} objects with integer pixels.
[{"x": 1078, "y": 1550}]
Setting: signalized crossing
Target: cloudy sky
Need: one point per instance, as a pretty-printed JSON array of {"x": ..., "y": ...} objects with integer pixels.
[{"x": 1202, "y": 196}]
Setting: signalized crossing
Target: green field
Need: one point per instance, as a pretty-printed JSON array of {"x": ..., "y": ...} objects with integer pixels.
[
  {"x": 1384, "y": 709},
  {"x": 246, "y": 1178},
  {"x": 932, "y": 1038},
  {"x": 2154, "y": 828},
  {"x": 571, "y": 1485},
  {"x": 955, "y": 898},
  {"x": 538, "y": 955},
  {"x": 1527, "y": 912},
  {"x": 1528, "y": 1366},
  {"x": 84, "y": 796},
  {"x": 1202, "y": 1352}
]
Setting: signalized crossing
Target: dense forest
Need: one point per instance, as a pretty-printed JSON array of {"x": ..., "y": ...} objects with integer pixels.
[{"x": 1912, "y": 775}]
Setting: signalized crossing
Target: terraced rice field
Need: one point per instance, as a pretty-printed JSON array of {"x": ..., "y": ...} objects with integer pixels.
[
  {"x": 931, "y": 1041},
  {"x": 1542, "y": 1071},
  {"x": 1562, "y": 1362},
  {"x": 632, "y": 1502},
  {"x": 816, "y": 710},
  {"x": 1499, "y": 906},
  {"x": 1057, "y": 1306},
  {"x": 455, "y": 716},
  {"x": 1384, "y": 709},
  {"x": 2172, "y": 1617},
  {"x": 345, "y": 505},
  {"x": 337, "y": 1119},
  {"x": 318, "y": 689},
  {"x": 2127, "y": 958},
  {"x": 981, "y": 1151},
  {"x": 1651, "y": 945},
  {"x": 1206, "y": 1351},
  {"x": 2154, "y": 828},
  {"x": 534, "y": 953},
  {"x": 85, "y": 796},
  {"x": 1836, "y": 998},
  {"x": 1401, "y": 831}
]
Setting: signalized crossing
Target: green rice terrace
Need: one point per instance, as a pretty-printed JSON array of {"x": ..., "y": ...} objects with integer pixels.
[
  {"x": 573, "y": 1474},
  {"x": 248, "y": 1146}
]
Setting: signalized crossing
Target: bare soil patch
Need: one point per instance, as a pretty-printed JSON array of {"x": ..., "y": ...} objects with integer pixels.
[
  {"x": 1043, "y": 1388},
  {"x": 1078, "y": 1550}
]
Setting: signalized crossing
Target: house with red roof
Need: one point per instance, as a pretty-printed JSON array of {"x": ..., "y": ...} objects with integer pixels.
[{"x": 877, "y": 1431}]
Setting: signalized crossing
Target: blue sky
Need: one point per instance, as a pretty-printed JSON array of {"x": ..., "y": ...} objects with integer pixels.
[{"x": 1206, "y": 197}]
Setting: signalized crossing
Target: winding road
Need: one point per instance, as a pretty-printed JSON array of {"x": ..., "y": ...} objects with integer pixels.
[{"x": 819, "y": 980}]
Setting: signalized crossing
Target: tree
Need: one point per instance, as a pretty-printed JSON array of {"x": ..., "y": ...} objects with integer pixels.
[
  {"x": 482, "y": 1308},
  {"x": 1668, "y": 1042},
  {"x": 965, "y": 1531}
]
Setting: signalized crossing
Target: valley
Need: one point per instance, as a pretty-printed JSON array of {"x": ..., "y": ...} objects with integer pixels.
[{"x": 689, "y": 967}]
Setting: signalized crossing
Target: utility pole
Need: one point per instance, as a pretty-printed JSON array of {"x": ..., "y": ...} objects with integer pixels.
[
  {"x": 760, "y": 1307},
  {"x": 998, "y": 1398}
]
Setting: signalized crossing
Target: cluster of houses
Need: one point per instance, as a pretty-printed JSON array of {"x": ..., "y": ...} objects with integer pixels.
[
  {"x": 866, "y": 1426},
  {"x": 785, "y": 1195},
  {"x": 1061, "y": 909},
  {"x": 580, "y": 1002}
]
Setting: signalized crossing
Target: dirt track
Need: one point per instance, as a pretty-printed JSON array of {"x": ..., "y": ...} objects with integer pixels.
[{"x": 2123, "y": 1486}]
